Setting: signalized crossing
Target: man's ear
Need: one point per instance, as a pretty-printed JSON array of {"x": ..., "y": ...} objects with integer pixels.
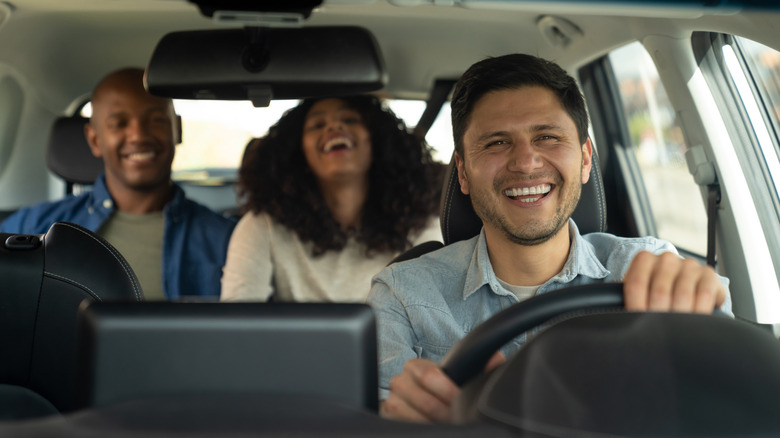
[
  {"x": 587, "y": 160},
  {"x": 92, "y": 141},
  {"x": 462, "y": 179},
  {"x": 177, "y": 129}
]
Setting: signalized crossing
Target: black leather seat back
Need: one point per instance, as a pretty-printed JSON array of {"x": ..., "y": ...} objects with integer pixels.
[
  {"x": 134, "y": 351},
  {"x": 68, "y": 154},
  {"x": 460, "y": 222},
  {"x": 44, "y": 280}
]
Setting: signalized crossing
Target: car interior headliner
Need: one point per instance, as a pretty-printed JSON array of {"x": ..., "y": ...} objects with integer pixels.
[{"x": 420, "y": 41}]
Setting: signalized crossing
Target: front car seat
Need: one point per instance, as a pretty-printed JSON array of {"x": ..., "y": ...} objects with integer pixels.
[{"x": 44, "y": 280}]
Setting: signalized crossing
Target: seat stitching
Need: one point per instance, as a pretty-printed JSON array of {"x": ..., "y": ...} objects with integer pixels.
[
  {"x": 72, "y": 282},
  {"x": 114, "y": 253},
  {"x": 448, "y": 208},
  {"x": 601, "y": 200}
]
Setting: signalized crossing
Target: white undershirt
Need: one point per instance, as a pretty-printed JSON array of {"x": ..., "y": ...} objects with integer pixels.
[{"x": 521, "y": 292}]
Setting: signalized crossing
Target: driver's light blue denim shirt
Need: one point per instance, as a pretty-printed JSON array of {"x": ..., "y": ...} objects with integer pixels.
[{"x": 426, "y": 305}]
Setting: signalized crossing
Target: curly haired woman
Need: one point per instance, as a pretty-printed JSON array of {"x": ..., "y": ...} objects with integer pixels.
[{"x": 336, "y": 189}]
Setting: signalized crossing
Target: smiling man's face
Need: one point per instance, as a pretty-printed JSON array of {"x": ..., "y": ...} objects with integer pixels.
[
  {"x": 134, "y": 133},
  {"x": 523, "y": 165}
]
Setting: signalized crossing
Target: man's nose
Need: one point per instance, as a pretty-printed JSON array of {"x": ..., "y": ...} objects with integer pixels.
[
  {"x": 137, "y": 129},
  {"x": 524, "y": 157}
]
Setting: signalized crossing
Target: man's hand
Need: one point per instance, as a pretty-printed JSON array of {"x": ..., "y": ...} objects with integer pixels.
[
  {"x": 423, "y": 393},
  {"x": 666, "y": 282}
]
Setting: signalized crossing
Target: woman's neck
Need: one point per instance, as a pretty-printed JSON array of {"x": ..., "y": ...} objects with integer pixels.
[{"x": 345, "y": 200}]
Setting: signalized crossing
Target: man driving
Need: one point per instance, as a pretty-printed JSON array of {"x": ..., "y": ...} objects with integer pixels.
[{"x": 522, "y": 154}]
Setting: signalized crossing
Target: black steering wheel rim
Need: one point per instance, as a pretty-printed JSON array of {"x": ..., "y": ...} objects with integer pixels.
[{"x": 470, "y": 355}]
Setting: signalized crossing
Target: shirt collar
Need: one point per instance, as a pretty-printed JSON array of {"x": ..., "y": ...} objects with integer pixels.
[
  {"x": 101, "y": 198},
  {"x": 176, "y": 207},
  {"x": 582, "y": 260}
]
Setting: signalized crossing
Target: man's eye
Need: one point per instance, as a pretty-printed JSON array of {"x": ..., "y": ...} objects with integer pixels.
[{"x": 497, "y": 143}]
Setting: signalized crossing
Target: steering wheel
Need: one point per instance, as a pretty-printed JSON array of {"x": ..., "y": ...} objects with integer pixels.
[{"x": 469, "y": 356}]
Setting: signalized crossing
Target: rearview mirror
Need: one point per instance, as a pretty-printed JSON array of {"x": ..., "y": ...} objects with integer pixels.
[{"x": 260, "y": 64}]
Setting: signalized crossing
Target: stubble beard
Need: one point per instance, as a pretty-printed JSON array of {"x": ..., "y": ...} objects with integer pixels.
[{"x": 532, "y": 232}]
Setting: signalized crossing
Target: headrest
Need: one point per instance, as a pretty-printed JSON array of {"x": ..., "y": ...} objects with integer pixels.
[
  {"x": 159, "y": 349},
  {"x": 44, "y": 280},
  {"x": 68, "y": 154},
  {"x": 460, "y": 222}
]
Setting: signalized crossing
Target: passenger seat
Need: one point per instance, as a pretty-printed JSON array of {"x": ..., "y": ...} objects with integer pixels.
[{"x": 45, "y": 278}]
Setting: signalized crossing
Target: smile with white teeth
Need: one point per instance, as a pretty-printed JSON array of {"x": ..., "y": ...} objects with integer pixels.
[
  {"x": 541, "y": 189},
  {"x": 337, "y": 143},
  {"x": 140, "y": 156}
]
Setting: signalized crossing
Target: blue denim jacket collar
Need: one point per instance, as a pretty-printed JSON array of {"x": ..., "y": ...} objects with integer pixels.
[
  {"x": 581, "y": 261},
  {"x": 102, "y": 202}
]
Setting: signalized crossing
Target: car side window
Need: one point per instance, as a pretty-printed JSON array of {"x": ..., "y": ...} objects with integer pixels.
[
  {"x": 658, "y": 146},
  {"x": 742, "y": 76},
  {"x": 755, "y": 70}
]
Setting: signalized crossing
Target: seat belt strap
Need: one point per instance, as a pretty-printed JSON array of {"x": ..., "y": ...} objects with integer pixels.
[
  {"x": 439, "y": 94},
  {"x": 713, "y": 200}
]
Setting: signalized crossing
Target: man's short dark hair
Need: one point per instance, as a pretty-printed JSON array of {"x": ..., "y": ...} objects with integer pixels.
[{"x": 510, "y": 72}]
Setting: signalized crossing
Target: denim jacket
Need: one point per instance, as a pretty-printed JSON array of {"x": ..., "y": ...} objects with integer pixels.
[
  {"x": 194, "y": 244},
  {"x": 426, "y": 305}
]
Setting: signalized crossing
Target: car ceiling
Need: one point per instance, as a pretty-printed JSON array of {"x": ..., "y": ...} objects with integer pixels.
[{"x": 419, "y": 43}]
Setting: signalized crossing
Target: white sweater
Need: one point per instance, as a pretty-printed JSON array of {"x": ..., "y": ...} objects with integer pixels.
[{"x": 264, "y": 256}]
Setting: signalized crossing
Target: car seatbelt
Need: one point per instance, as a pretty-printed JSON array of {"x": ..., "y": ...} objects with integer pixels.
[
  {"x": 713, "y": 200},
  {"x": 439, "y": 94},
  {"x": 704, "y": 174}
]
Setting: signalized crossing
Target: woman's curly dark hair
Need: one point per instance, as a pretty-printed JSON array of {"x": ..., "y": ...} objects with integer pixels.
[{"x": 404, "y": 182}]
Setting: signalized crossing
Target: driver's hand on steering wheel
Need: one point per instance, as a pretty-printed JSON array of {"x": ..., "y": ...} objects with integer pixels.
[
  {"x": 666, "y": 282},
  {"x": 423, "y": 393}
]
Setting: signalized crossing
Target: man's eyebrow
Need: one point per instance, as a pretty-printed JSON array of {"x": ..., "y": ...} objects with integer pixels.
[
  {"x": 534, "y": 128},
  {"x": 547, "y": 127},
  {"x": 492, "y": 134},
  {"x": 123, "y": 113},
  {"x": 115, "y": 114}
]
